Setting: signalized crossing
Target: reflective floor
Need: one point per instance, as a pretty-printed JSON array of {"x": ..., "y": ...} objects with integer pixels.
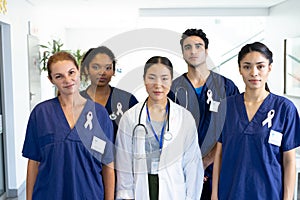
[
  {"x": 23, "y": 196},
  {"x": 298, "y": 189}
]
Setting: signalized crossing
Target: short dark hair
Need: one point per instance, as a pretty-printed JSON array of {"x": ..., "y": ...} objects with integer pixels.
[{"x": 194, "y": 32}]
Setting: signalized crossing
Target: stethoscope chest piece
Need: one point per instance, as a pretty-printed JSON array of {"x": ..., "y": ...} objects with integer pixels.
[
  {"x": 113, "y": 116},
  {"x": 168, "y": 136}
]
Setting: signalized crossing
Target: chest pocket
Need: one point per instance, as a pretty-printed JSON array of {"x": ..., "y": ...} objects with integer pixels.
[
  {"x": 273, "y": 145},
  {"x": 261, "y": 147}
]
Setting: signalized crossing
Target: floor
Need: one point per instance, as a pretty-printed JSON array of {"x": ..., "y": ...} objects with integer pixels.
[
  {"x": 23, "y": 196},
  {"x": 298, "y": 189}
]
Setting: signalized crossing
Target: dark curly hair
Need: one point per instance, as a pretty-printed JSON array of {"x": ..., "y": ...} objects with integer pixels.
[{"x": 194, "y": 32}]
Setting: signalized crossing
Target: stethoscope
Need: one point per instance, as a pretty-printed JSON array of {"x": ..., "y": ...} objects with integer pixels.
[
  {"x": 208, "y": 93},
  {"x": 186, "y": 95},
  {"x": 166, "y": 135}
]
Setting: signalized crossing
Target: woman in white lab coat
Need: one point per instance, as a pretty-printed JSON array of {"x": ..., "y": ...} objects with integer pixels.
[{"x": 157, "y": 151}]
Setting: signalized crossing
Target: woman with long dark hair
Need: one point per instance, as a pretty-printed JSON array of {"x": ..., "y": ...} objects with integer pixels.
[{"x": 255, "y": 156}]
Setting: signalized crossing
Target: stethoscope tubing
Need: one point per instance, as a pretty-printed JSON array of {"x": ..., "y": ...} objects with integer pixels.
[
  {"x": 139, "y": 124},
  {"x": 140, "y": 116}
]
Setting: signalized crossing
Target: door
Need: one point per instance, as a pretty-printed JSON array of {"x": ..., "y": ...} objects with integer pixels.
[
  {"x": 2, "y": 174},
  {"x": 2, "y": 166},
  {"x": 34, "y": 70}
]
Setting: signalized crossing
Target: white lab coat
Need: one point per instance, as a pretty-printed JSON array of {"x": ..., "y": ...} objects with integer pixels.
[{"x": 180, "y": 168}]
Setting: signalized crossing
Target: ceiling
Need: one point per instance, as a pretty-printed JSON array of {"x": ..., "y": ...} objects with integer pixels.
[
  {"x": 128, "y": 13},
  {"x": 160, "y": 3}
]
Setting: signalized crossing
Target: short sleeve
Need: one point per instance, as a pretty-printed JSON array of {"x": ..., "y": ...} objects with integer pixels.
[
  {"x": 31, "y": 148},
  {"x": 291, "y": 134}
]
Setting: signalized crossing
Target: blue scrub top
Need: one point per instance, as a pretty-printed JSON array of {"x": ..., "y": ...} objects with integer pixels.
[
  {"x": 252, "y": 166},
  {"x": 220, "y": 86},
  {"x": 118, "y": 102},
  {"x": 69, "y": 167}
]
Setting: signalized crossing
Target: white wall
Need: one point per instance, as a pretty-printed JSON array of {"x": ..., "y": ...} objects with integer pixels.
[
  {"x": 149, "y": 36},
  {"x": 282, "y": 23},
  {"x": 16, "y": 164},
  {"x": 19, "y": 13}
]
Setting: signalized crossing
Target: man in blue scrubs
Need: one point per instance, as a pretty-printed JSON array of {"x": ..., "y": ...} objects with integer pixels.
[{"x": 200, "y": 90}]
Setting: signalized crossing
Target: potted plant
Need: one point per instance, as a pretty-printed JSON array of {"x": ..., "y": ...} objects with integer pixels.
[{"x": 53, "y": 47}]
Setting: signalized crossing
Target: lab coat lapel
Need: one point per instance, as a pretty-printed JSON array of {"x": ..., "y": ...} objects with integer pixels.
[
  {"x": 170, "y": 147},
  {"x": 140, "y": 165}
]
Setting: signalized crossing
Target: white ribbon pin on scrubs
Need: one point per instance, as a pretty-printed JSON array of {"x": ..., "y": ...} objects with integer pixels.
[
  {"x": 271, "y": 114},
  {"x": 214, "y": 105},
  {"x": 209, "y": 96},
  {"x": 113, "y": 116},
  {"x": 119, "y": 109},
  {"x": 88, "y": 122}
]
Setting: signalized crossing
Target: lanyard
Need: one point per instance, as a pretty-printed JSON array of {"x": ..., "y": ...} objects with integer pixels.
[{"x": 162, "y": 130}]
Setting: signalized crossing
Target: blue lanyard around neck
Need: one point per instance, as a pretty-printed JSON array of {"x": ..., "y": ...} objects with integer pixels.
[{"x": 162, "y": 130}]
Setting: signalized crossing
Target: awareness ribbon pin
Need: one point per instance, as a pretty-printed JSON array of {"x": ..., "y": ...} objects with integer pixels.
[
  {"x": 209, "y": 96},
  {"x": 119, "y": 107},
  {"x": 269, "y": 118},
  {"x": 88, "y": 122}
]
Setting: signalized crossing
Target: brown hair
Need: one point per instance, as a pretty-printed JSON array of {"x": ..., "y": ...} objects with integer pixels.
[{"x": 60, "y": 56}]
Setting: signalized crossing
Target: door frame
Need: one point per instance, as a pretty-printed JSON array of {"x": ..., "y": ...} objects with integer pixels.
[{"x": 6, "y": 96}]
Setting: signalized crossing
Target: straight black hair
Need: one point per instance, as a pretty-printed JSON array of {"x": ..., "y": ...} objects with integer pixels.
[
  {"x": 91, "y": 53},
  {"x": 156, "y": 60},
  {"x": 258, "y": 47}
]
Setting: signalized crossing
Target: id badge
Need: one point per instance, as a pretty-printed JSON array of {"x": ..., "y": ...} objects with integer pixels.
[
  {"x": 214, "y": 106},
  {"x": 154, "y": 166},
  {"x": 275, "y": 138},
  {"x": 98, "y": 145}
]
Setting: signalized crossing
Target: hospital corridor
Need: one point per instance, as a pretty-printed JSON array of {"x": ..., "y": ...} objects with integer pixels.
[{"x": 72, "y": 67}]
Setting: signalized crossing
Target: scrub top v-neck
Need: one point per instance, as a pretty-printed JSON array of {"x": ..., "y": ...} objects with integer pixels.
[
  {"x": 252, "y": 151},
  {"x": 70, "y": 164}
]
